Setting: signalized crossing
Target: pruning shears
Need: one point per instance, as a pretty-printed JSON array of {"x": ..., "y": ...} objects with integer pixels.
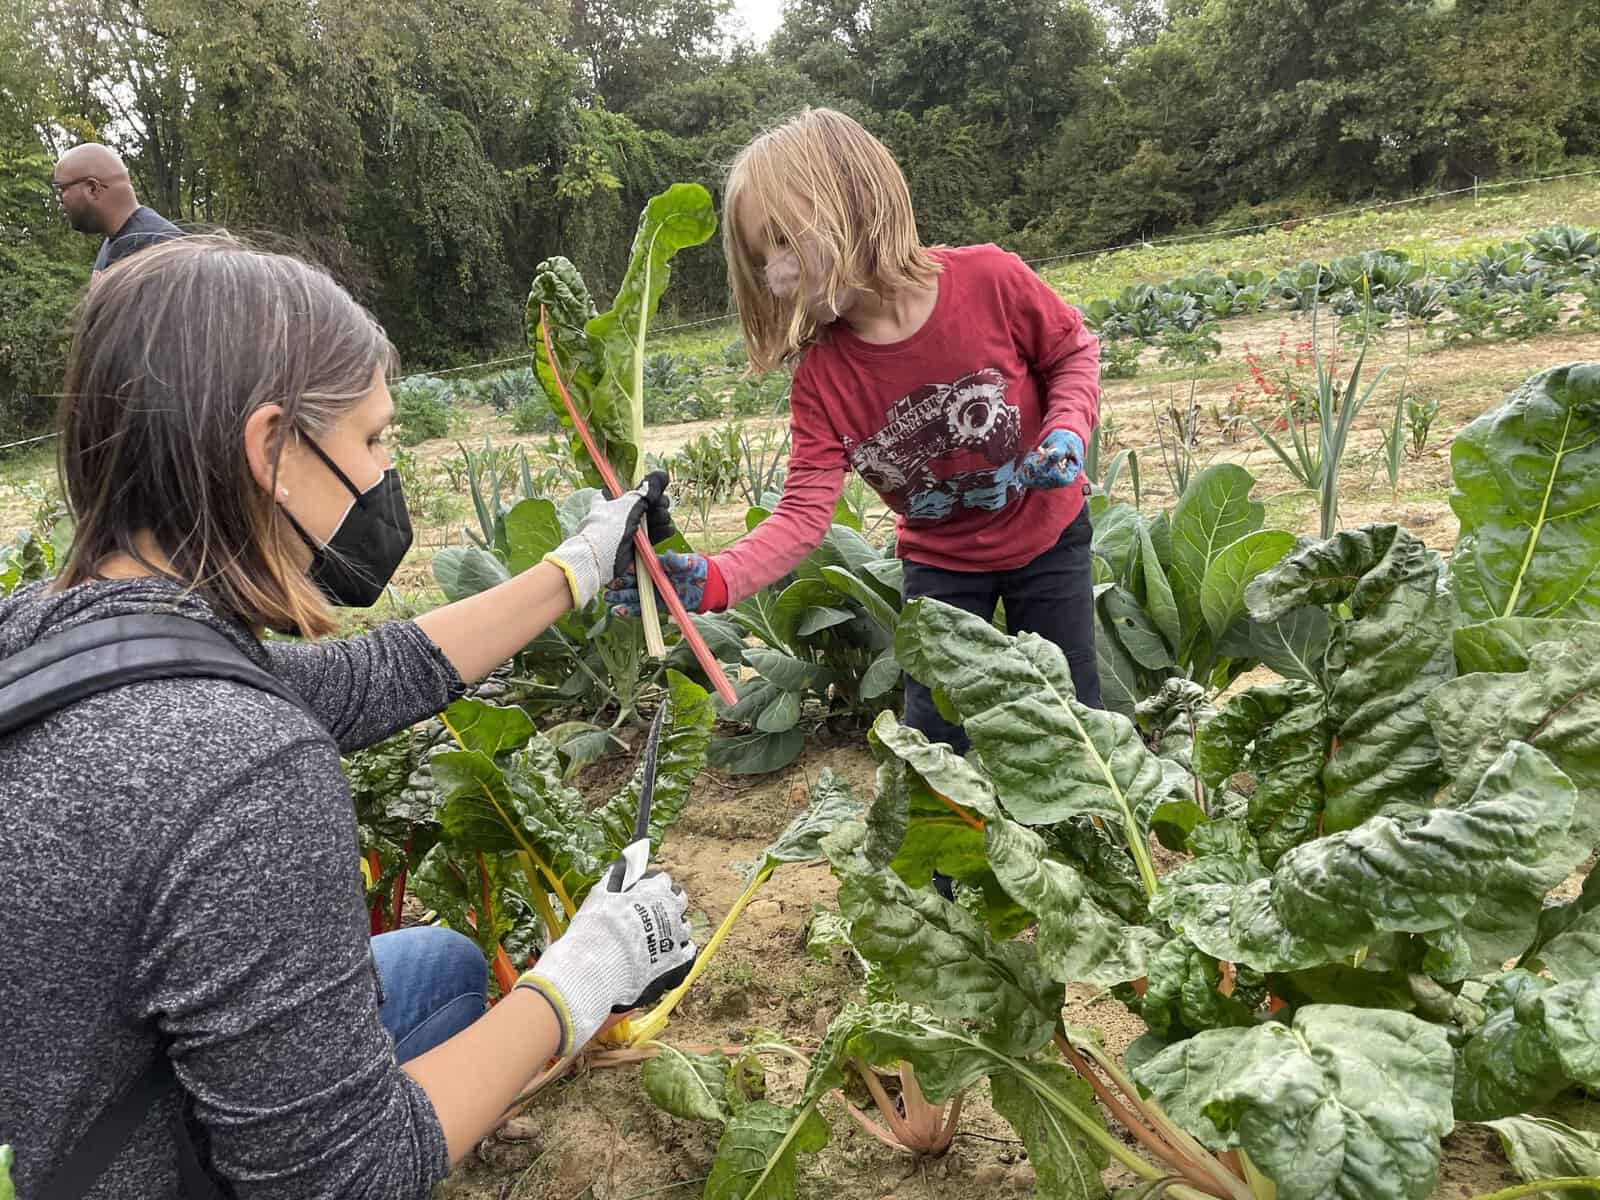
[{"x": 636, "y": 855}]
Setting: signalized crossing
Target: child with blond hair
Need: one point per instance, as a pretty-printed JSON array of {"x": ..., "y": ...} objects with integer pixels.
[{"x": 953, "y": 380}]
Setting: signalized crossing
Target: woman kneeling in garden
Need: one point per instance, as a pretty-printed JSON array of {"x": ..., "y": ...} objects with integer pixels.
[{"x": 184, "y": 924}]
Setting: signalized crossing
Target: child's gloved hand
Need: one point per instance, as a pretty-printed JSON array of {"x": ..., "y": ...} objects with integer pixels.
[
  {"x": 1056, "y": 463},
  {"x": 693, "y": 576}
]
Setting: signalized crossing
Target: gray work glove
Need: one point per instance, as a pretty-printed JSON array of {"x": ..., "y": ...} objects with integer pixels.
[
  {"x": 623, "y": 950},
  {"x": 602, "y": 547}
]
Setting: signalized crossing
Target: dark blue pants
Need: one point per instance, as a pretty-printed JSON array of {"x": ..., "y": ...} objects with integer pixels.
[{"x": 1052, "y": 596}]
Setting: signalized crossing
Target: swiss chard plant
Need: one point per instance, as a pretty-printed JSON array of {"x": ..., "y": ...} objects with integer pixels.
[
  {"x": 601, "y": 357},
  {"x": 1317, "y": 1024},
  {"x": 516, "y": 848}
]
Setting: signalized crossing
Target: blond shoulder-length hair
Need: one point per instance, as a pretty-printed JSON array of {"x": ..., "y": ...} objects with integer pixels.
[
  {"x": 820, "y": 176},
  {"x": 173, "y": 350}
]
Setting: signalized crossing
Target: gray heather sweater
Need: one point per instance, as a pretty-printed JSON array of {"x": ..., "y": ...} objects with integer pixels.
[{"x": 178, "y": 865}]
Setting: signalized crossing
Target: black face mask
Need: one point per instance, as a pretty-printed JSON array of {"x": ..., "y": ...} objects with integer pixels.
[{"x": 365, "y": 550}]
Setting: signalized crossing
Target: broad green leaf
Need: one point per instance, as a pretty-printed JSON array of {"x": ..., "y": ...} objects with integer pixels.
[
  {"x": 1574, "y": 953},
  {"x": 796, "y": 601},
  {"x": 1295, "y": 645},
  {"x": 781, "y": 715},
  {"x": 7, "y": 1191},
  {"x": 1069, "y": 1164},
  {"x": 520, "y": 805},
  {"x": 1049, "y": 756},
  {"x": 1214, "y": 512},
  {"x": 1421, "y": 873},
  {"x": 755, "y": 696},
  {"x": 783, "y": 670},
  {"x": 491, "y": 728},
  {"x": 1135, "y": 629},
  {"x": 1170, "y": 718},
  {"x": 1231, "y": 570},
  {"x": 1117, "y": 537},
  {"x": 1395, "y": 649},
  {"x": 680, "y": 758},
  {"x": 463, "y": 571},
  {"x": 1078, "y": 941},
  {"x": 559, "y": 290},
  {"x": 936, "y": 954},
  {"x": 1553, "y": 705},
  {"x": 864, "y": 594},
  {"x": 1542, "y": 1148},
  {"x": 947, "y": 1060},
  {"x": 1509, "y": 1063},
  {"x": 881, "y": 676},
  {"x": 830, "y": 805},
  {"x": 680, "y": 217},
  {"x": 1506, "y": 644},
  {"x": 1119, "y": 674},
  {"x": 1347, "y": 1104},
  {"x": 452, "y": 884},
  {"x": 1276, "y": 733},
  {"x": 1527, "y": 493},
  {"x": 757, "y": 1156},
  {"x": 1158, "y": 592},
  {"x": 941, "y": 768},
  {"x": 688, "y": 1085},
  {"x": 533, "y": 529},
  {"x": 815, "y": 620},
  {"x": 1181, "y": 996},
  {"x": 755, "y": 753}
]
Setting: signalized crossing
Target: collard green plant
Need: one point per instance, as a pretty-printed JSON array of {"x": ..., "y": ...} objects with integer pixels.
[
  {"x": 827, "y": 637},
  {"x": 1170, "y": 590}
]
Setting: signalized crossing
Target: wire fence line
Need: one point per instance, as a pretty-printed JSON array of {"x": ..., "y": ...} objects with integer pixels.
[{"x": 1475, "y": 190}]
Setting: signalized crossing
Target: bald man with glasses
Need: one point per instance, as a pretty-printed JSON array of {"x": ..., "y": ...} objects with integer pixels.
[{"x": 98, "y": 197}]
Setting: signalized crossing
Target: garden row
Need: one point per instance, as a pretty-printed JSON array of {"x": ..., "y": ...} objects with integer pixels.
[{"x": 1513, "y": 289}]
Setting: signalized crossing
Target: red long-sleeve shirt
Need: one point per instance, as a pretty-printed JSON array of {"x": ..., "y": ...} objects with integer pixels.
[{"x": 937, "y": 424}]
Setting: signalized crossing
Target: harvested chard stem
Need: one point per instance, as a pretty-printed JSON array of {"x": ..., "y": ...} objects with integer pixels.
[{"x": 647, "y": 554}]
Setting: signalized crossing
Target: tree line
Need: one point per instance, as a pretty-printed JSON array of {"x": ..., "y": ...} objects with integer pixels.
[{"x": 431, "y": 152}]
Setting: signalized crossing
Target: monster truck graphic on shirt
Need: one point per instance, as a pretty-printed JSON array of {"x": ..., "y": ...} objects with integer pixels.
[{"x": 945, "y": 445}]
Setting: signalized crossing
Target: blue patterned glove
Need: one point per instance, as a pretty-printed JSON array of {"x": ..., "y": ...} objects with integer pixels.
[
  {"x": 1056, "y": 463},
  {"x": 687, "y": 573}
]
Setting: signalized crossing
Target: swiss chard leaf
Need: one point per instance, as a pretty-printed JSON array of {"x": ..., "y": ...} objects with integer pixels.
[
  {"x": 1348, "y": 1104},
  {"x": 1050, "y": 757},
  {"x": 935, "y": 953},
  {"x": 1395, "y": 649},
  {"x": 1554, "y": 706},
  {"x": 1506, "y": 643},
  {"x": 689, "y": 1085},
  {"x": 1277, "y": 733},
  {"x": 1424, "y": 872},
  {"x": 1068, "y": 1163},
  {"x": 757, "y": 1158},
  {"x": 1541, "y": 1148},
  {"x": 1527, "y": 493}
]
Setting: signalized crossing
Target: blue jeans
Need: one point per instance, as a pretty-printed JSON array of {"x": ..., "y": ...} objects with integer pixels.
[{"x": 435, "y": 984}]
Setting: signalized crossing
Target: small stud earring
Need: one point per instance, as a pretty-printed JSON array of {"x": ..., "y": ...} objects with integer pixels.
[{"x": 283, "y": 493}]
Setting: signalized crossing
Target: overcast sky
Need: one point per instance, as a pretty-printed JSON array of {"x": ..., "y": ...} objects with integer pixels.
[{"x": 760, "y": 17}]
